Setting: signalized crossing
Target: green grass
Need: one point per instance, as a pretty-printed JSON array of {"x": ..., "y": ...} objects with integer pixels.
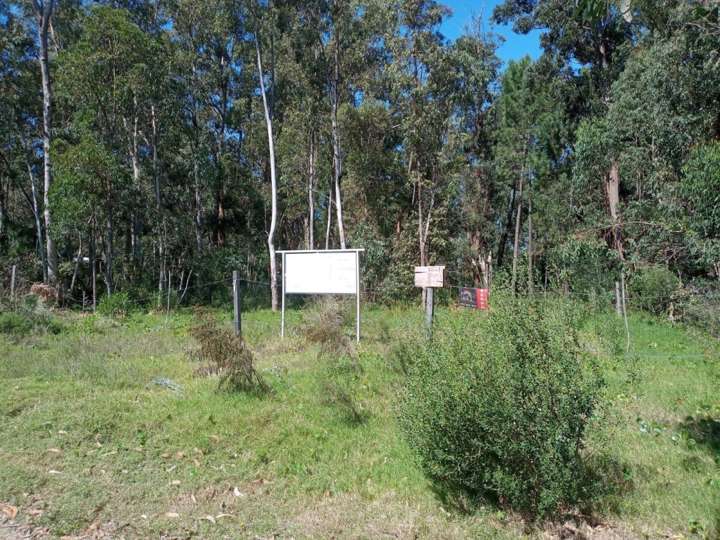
[{"x": 88, "y": 442}]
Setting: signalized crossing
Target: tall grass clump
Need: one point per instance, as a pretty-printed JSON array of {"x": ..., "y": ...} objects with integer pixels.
[
  {"x": 324, "y": 325},
  {"x": 227, "y": 355},
  {"x": 498, "y": 404}
]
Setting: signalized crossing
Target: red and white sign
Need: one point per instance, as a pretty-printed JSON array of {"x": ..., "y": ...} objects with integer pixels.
[{"x": 474, "y": 298}]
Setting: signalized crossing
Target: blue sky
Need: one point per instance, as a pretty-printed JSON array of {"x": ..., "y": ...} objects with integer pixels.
[{"x": 515, "y": 46}]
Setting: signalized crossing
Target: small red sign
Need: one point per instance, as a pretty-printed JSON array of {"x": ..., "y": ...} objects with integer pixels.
[
  {"x": 482, "y": 298},
  {"x": 474, "y": 298}
]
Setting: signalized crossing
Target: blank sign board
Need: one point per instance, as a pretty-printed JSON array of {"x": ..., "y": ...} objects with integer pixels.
[{"x": 321, "y": 273}]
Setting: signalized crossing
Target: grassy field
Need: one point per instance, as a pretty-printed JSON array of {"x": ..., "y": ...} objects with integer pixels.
[{"x": 96, "y": 441}]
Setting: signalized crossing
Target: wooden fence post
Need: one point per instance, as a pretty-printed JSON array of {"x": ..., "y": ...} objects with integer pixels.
[{"x": 236, "y": 303}]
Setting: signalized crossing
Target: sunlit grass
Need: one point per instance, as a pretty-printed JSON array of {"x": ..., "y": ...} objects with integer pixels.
[{"x": 90, "y": 440}]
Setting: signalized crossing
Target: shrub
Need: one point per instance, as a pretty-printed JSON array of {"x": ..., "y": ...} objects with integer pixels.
[
  {"x": 115, "y": 305},
  {"x": 652, "y": 289},
  {"x": 227, "y": 355},
  {"x": 323, "y": 324},
  {"x": 498, "y": 404},
  {"x": 698, "y": 304},
  {"x": 15, "y": 324},
  {"x": 30, "y": 317}
]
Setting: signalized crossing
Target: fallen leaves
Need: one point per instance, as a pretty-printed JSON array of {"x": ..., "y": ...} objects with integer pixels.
[{"x": 9, "y": 510}]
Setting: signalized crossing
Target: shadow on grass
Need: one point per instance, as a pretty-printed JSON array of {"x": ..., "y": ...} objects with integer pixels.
[
  {"x": 602, "y": 483},
  {"x": 704, "y": 432}
]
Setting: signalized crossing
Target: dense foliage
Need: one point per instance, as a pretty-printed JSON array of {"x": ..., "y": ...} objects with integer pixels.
[
  {"x": 157, "y": 146},
  {"x": 500, "y": 404}
]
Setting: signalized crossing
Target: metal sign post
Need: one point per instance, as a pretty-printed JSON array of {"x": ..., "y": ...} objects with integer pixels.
[
  {"x": 329, "y": 271},
  {"x": 429, "y": 278}
]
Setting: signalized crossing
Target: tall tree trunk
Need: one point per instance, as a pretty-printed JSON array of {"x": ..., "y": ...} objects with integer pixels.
[
  {"x": 273, "y": 183},
  {"x": 329, "y": 219},
  {"x": 337, "y": 154},
  {"x": 506, "y": 229},
  {"x": 156, "y": 171},
  {"x": 93, "y": 267},
  {"x": 531, "y": 288},
  {"x": 516, "y": 243},
  {"x": 38, "y": 224},
  {"x": 612, "y": 192},
  {"x": 198, "y": 221},
  {"x": 43, "y": 12},
  {"x": 109, "y": 247},
  {"x": 311, "y": 196},
  {"x": 132, "y": 131}
]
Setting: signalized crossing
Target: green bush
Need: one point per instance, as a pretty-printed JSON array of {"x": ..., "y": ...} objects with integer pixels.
[
  {"x": 28, "y": 318},
  {"x": 652, "y": 289},
  {"x": 15, "y": 324},
  {"x": 117, "y": 304},
  {"x": 498, "y": 404}
]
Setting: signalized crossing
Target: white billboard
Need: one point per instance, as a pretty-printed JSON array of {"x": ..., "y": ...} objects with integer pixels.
[
  {"x": 317, "y": 272},
  {"x": 332, "y": 271}
]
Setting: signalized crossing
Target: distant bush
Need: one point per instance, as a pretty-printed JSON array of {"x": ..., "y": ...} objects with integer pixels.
[
  {"x": 115, "y": 305},
  {"x": 698, "y": 304},
  {"x": 29, "y": 317},
  {"x": 652, "y": 289},
  {"x": 15, "y": 324},
  {"x": 498, "y": 404},
  {"x": 227, "y": 355}
]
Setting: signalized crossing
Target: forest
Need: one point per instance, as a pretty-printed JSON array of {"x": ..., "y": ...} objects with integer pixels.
[
  {"x": 152, "y": 149},
  {"x": 155, "y": 146}
]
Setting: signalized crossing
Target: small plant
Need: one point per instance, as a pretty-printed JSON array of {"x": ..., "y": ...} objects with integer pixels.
[
  {"x": 323, "y": 325},
  {"x": 227, "y": 355},
  {"x": 30, "y": 317},
  {"x": 116, "y": 305},
  {"x": 499, "y": 404},
  {"x": 653, "y": 288}
]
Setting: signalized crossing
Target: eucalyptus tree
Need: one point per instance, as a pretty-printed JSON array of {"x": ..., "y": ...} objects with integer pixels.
[
  {"x": 418, "y": 52},
  {"x": 109, "y": 100},
  {"x": 473, "y": 73}
]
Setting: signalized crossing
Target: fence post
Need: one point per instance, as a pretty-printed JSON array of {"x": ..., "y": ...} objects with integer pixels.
[
  {"x": 12, "y": 283},
  {"x": 236, "y": 303}
]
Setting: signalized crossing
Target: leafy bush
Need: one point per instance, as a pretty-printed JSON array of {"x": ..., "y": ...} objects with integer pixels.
[
  {"x": 15, "y": 324},
  {"x": 499, "y": 404},
  {"x": 652, "y": 289},
  {"x": 115, "y": 305},
  {"x": 227, "y": 355},
  {"x": 29, "y": 317},
  {"x": 698, "y": 304}
]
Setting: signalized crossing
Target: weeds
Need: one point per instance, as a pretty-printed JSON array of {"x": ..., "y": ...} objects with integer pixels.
[
  {"x": 323, "y": 325},
  {"x": 227, "y": 355}
]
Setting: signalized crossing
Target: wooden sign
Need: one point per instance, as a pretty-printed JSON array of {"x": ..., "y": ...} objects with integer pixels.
[
  {"x": 473, "y": 298},
  {"x": 429, "y": 276}
]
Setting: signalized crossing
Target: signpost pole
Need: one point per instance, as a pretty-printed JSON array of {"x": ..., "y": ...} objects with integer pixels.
[
  {"x": 282, "y": 314},
  {"x": 429, "y": 308}
]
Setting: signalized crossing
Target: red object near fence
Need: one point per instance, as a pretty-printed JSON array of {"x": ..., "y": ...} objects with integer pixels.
[
  {"x": 481, "y": 296},
  {"x": 474, "y": 298}
]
